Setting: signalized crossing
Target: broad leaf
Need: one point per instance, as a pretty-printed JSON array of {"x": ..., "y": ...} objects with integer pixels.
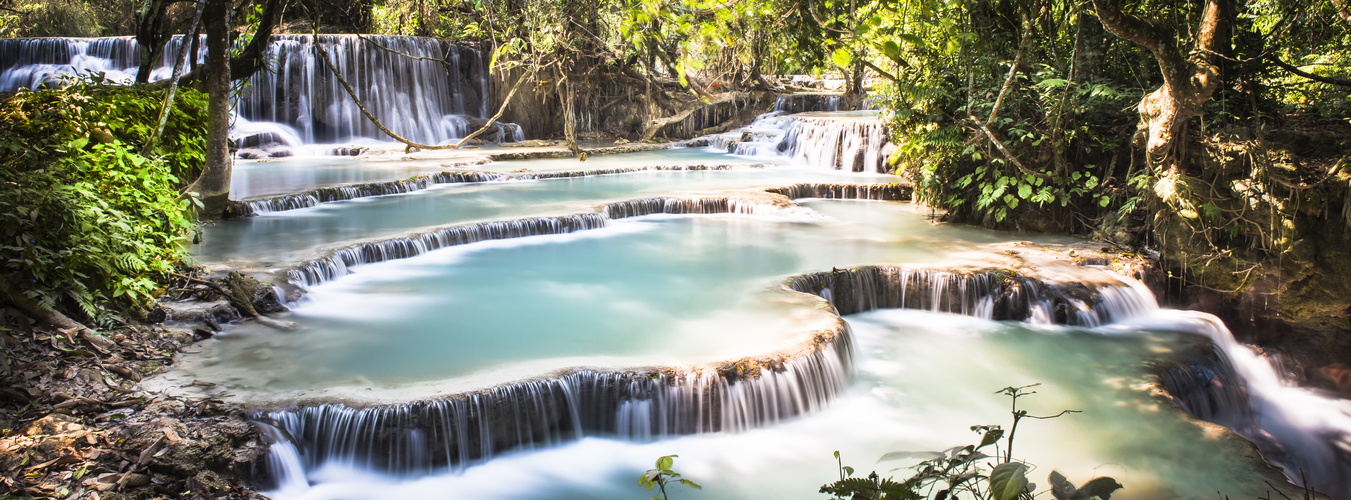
[{"x": 1008, "y": 480}]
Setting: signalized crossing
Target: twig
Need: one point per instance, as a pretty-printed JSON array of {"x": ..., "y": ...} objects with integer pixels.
[{"x": 1002, "y": 149}]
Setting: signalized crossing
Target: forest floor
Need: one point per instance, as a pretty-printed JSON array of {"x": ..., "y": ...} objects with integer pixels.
[{"x": 75, "y": 423}]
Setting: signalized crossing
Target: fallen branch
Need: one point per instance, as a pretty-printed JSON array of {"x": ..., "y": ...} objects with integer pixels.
[
  {"x": 658, "y": 123},
  {"x": 54, "y": 318},
  {"x": 1013, "y": 72},
  {"x": 323, "y": 54},
  {"x": 501, "y": 109},
  {"x": 236, "y": 296}
]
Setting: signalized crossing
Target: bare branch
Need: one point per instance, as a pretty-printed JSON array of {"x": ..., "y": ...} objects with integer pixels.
[
  {"x": 501, "y": 109},
  {"x": 1321, "y": 79},
  {"x": 1002, "y": 149}
]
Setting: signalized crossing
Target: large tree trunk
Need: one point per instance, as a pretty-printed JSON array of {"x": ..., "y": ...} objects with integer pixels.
[
  {"x": 1188, "y": 81},
  {"x": 213, "y": 185}
]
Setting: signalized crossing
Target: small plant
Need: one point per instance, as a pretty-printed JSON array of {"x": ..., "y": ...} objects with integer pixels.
[
  {"x": 964, "y": 470},
  {"x": 663, "y": 475}
]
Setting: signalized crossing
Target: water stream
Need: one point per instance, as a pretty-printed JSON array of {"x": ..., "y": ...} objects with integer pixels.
[{"x": 522, "y": 331}]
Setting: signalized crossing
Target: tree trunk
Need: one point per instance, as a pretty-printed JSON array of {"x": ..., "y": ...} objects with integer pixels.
[
  {"x": 150, "y": 36},
  {"x": 213, "y": 185},
  {"x": 1188, "y": 81}
]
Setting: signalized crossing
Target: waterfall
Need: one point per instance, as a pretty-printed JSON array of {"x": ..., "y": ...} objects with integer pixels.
[
  {"x": 645, "y": 404},
  {"x": 773, "y": 203},
  {"x": 425, "y": 89},
  {"x": 653, "y": 403},
  {"x": 996, "y": 295},
  {"x": 850, "y": 143},
  {"x": 313, "y": 197},
  {"x": 422, "y": 97},
  {"x": 1298, "y": 429},
  {"x": 337, "y": 263},
  {"x": 800, "y": 103},
  {"x": 316, "y": 196},
  {"x": 892, "y": 192}
]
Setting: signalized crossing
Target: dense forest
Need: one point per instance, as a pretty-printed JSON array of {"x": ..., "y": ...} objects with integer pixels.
[{"x": 1212, "y": 137}]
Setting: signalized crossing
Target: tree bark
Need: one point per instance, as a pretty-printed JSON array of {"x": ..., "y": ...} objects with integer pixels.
[
  {"x": 1188, "y": 81},
  {"x": 183, "y": 51},
  {"x": 251, "y": 59},
  {"x": 213, "y": 185},
  {"x": 150, "y": 36}
]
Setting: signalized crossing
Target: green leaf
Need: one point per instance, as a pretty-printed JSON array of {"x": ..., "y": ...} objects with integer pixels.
[
  {"x": 991, "y": 436},
  {"x": 1024, "y": 190},
  {"x": 1008, "y": 480},
  {"x": 665, "y": 462},
  {"x": 841, "y": 58}
]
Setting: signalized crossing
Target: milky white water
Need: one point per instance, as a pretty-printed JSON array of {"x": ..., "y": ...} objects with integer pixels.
[
  {"x": 289, "y": 236},
  {"x": 655, "y": 290},
  {"x": 923, "y": 379}
]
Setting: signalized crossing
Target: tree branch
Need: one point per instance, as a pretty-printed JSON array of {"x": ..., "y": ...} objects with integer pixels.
[
  {"x": 1321, "y": 79},
  {"x": 1342, "y": 10},
  {"x": 1002, "y": 149},
  {"x": 183, "y": 50},
  {"x": 658, "y": 123},
  {"x": 1013, "y": 70},
  {"x": 251, "y": 59},
  {"x": 884, "y": 73},
  {"x": 1153, "y": 37},
  {"x": 501, "y": 109}
]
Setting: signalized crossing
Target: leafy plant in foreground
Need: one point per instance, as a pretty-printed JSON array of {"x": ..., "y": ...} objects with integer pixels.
[
  {"x": 663, "y": 475},
  {"x": 965, "y": 470}
]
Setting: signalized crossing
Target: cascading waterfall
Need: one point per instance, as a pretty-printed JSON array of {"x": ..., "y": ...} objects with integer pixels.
[
  {"x": 316, "y": 196},
  {"x": 850, "y": 143},
  {"x": 313, "y": 197},
  {"x": 35, "y": 62},
  {"x": 646, "y": 404},
  {"x": 1296, "y": 428},
  {"x": 995, "y": 295},
  {"x": 421, "y": 437},
  {"x": 427, "y": 90},
  {"x": 338, "y": 263},
  {"x": 800, "y": 103},
  {"x": 425, "y": 99}
]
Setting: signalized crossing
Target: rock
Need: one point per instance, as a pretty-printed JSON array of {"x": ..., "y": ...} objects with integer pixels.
[
  {"x": 266, "y": 300},
  {"x": 199, "y": 311},
  {"x": 348, "y": 151}
]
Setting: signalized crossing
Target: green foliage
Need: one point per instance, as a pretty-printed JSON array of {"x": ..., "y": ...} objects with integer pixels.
[
  {"x": 87, "y": 223},
  {"x": 872, "y": 487},
  {"x": 965, "y": 472},
  {"x": 662, "y": 475}
]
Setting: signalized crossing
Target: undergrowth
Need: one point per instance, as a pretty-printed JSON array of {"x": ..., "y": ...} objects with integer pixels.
[{"x": 89, "y": 224}]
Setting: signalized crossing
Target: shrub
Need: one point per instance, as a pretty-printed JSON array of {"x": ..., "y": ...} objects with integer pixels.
[{"x": 88, "y": 224}]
